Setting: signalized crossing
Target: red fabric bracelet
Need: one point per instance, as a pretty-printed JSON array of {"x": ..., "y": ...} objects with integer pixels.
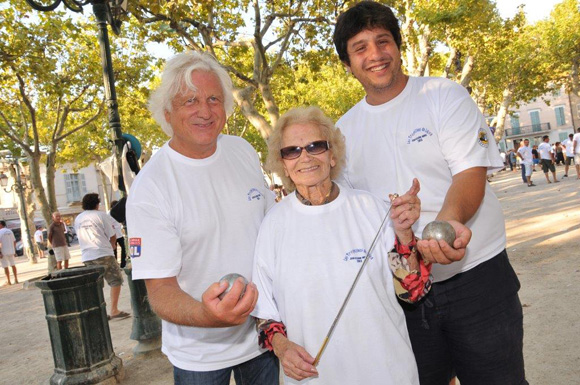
[
  {"x": 412, "y": 284},
  {"x": 405, "y": 250},
  {"x": 267, "y": 334}
]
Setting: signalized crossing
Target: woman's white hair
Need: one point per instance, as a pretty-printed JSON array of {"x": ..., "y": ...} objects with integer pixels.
[{"x": 176, "y": 78}]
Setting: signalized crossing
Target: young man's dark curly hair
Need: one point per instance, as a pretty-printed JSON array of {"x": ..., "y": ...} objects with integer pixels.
[{"x": 364, "y": 15}]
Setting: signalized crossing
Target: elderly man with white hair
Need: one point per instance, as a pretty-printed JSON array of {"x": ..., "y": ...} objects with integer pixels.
[{"x": 193, "y": 216}]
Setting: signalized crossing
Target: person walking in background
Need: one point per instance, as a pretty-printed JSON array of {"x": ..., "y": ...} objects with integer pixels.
[
  {"x": 547, "y": 158},
  {"x": 569, "y": 151},
  {"x": 559, "y": 153},
  {"x": 97, "y": 239},
  {"x": 535, "y": 157},
  {"x": 57, "y": 239},
  {"x": 525, "y": 154},
  {"x": 39, "y": 239},
  {"x": 120, "y": 239},
  {"x": 510, "y": 158},
  {"x": 7, "y": 252},
  {"x": 576, "y": 151}
]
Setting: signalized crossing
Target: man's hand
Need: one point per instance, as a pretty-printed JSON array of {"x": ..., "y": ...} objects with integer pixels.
[
  {"x": 295, "y": 360},
  {"x": 440, "y": 252},
  {"x": 462, "y": 201},
  {"x": 231, "y": 310},
  {"x": 172, "y": 304},
  {"x": 405, "y": 211}
]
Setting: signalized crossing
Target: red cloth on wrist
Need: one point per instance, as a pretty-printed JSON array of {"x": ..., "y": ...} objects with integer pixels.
[
  {"x": 411, "y": 285},
  {"x": 405, "y": 250},
  {"x": 267, "y": 334}
]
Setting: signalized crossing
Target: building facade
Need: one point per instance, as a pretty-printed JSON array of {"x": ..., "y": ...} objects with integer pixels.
[
  {"x": 556, "y": 114},
  {"x": 71, "y": 185}
]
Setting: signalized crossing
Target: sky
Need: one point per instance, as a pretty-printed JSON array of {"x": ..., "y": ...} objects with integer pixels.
[{"x": 535, "y": 9}]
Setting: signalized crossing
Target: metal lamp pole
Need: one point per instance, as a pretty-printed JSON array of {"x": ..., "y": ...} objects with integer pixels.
[
  {"x": 104, "y": 11},
  {"x": 146, "y": 325}
]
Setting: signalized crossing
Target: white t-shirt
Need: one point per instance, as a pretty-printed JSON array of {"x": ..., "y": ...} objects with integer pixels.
[
  {"x": 197, "y": 220},
  {"x": 568, "y": 145},
  {"x": 431, "y": 131},
  {"x": 545, "y": 150},
  {"x": 117, "y": 227},
  {"x": 526, "y": 153},
  {"x": 38, "y": 236},
  {"x": 94, "y": 231},
  {"x": 7, "y": 239},
  {"x": 306, "y": 260},
  {"x": 576, "y": 139}
]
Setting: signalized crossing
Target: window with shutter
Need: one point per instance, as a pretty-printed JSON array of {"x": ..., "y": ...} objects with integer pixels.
[{"x": 560, "y": 118}]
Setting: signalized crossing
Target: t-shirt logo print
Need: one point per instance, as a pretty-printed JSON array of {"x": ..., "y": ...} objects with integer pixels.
[
  {"x": 135, "y": 247},
  {"x": 356, "y": 255},
  {"x": 418, "y": 135},
  {"x": 482, "y": 137},
  {"x": 254, "y": 193}
]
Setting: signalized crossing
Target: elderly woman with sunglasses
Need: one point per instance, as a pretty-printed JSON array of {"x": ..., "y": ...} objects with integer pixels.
[{"x": 309, "y": 250}]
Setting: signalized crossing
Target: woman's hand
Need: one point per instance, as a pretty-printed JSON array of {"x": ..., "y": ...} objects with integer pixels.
[
  {"x": 405, "y": 211},
  {"x": 295, "y": 360}
]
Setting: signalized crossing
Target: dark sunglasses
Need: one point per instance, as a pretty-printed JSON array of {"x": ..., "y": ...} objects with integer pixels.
[{"x": 314, "y": 148}]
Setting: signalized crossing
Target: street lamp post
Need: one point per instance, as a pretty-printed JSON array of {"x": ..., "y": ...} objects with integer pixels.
[
  {"x": 19, "y": 188},
  {"x": 146, "y": 325}
]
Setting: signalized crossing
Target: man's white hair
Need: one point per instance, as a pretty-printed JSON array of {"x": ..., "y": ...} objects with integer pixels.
[{"x": 176, "y": 78}]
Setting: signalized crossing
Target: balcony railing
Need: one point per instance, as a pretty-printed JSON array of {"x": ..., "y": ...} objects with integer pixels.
[{"x": 527, "y": 130}]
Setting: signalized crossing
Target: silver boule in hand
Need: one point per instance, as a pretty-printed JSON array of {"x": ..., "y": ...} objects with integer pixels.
[
  {"x": 230, "y": 279},
  {"x": 439, "y": 230}
]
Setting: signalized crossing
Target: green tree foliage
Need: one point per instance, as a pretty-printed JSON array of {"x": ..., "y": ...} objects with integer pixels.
[
  {"x": 51, "y": 90},
  {"x": 560, "y": 37},
  {"x": 515, "y": 72},
  {"x": 254, "y": 39}
]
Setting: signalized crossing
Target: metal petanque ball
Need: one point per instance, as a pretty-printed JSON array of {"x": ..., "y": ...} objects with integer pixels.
[
  {"x": 231, "y": 278},
  {"x": 439, "y": 230}
]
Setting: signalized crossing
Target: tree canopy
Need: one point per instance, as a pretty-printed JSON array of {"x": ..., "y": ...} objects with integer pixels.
[
  {"x": 51, "y": 98},
  {"x": 279, "y": 54}
]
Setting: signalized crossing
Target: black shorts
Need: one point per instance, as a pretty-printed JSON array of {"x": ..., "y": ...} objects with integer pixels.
[
  {"x": 470, "y": 325},
  {"x": 569, "y": 160},
  {"x": 547, "y": 164}
]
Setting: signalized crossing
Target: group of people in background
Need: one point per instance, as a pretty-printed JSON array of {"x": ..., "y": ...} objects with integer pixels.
[
  {"x": 53, "y": 244},
  {"x": 545, "y": 155}
]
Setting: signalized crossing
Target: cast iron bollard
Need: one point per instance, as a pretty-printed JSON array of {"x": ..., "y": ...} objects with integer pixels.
[
  {"x": 146, "y": 328},
  {"x": 79, "y": 330}
]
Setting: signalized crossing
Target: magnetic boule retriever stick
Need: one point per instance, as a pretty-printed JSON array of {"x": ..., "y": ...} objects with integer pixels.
[{"x": 329, "y": 334}]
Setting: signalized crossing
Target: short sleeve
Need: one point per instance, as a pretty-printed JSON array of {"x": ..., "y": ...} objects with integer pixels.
[
  {"x": 466, "y": 140},
  {"x": 154, "y": 242},
  {"x": 262, "y": 275}
]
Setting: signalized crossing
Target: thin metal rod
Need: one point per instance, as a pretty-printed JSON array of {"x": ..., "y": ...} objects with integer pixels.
[{"x": 367, "y": 258}]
